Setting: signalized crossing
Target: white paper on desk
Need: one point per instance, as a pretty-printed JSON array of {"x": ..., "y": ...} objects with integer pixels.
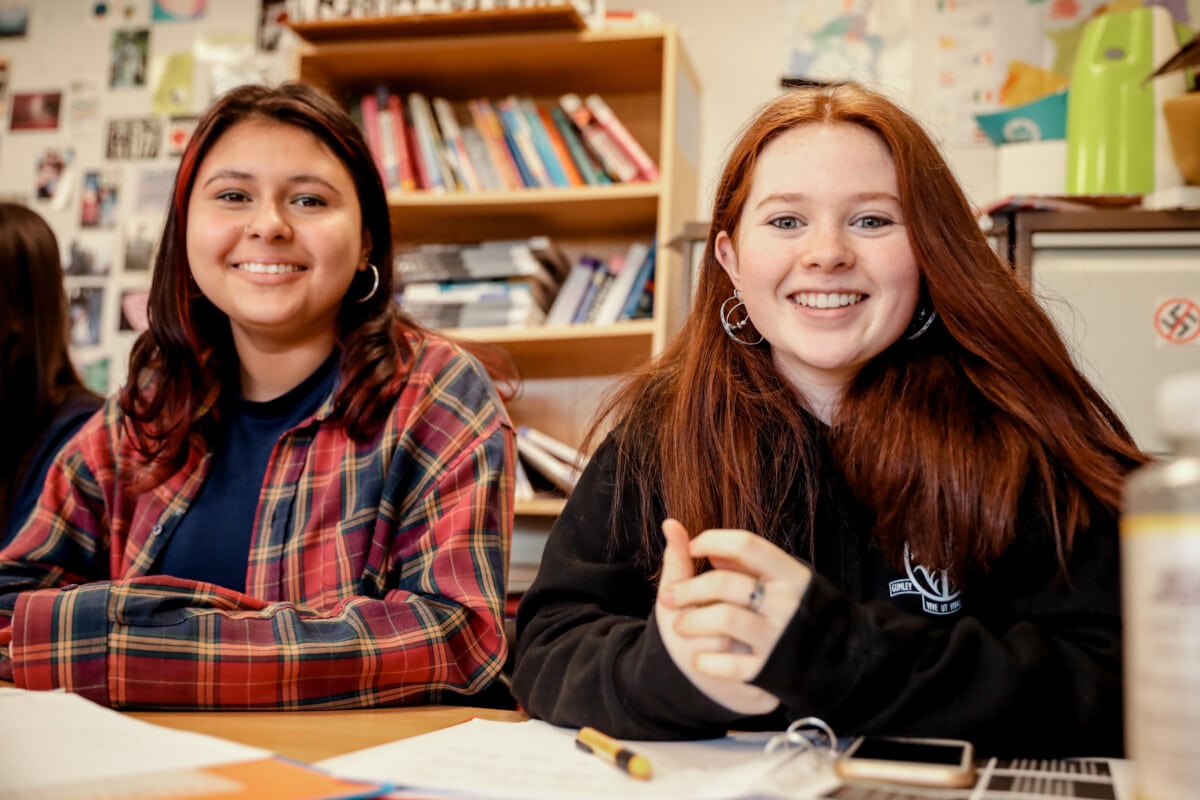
[
  {"x": 536, "y": 761},
  {"x": 56, "y": 738}
]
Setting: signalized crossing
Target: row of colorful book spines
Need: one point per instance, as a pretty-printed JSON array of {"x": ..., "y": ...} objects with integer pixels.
[{"x": 420, "y": 144}]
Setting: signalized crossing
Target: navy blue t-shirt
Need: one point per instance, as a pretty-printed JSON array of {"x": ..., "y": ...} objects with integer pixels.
[{"x": 212, "y": 541}]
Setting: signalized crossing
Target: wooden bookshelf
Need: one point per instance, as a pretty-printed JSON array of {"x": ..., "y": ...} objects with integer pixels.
[
  {"x": 644, "y": 76},
  {"x": 453, "y": 23}
]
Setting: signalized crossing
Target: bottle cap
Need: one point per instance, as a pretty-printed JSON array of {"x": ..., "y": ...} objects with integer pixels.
[{"x": 1179, "y": 405}]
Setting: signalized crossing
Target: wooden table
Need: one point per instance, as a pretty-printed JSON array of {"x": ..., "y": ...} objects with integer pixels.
[
  {"x": 310, "y": 736},
  {"x": 314, "y": 735}
]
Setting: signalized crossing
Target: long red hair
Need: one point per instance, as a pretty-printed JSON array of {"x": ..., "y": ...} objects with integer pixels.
[{"x": 939, "y": 437}]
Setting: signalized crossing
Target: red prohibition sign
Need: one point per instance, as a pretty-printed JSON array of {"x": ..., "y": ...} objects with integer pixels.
[{"x": 1178, "y": 320}]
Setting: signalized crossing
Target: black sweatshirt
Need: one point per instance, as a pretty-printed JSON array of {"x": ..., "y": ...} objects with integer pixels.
[{"x": 1022, "y": 661}]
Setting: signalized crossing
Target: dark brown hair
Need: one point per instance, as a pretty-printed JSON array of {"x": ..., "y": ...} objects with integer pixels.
[
  {"x": 36, "y": 375},
  {"x": 940, "y": 438}
]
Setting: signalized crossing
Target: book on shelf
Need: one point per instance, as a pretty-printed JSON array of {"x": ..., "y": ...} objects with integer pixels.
[
  {"x": 591, "y": 173},
  {"x": 400, "y": 137},
  {"x": 643, "y": 283},
  {"x": 541, "y": 142},
  {"x": 604, "y": 286},
  {"x": 574, "y": 176},
  {"x": 522, "y": 488},
  {"x": 520, "y": 137},
  {"x": 600, "y": 278},
  {"x": 481, "y": 160},
  {"x": 475, "y": 304},
  {"x": 430, "y": 145},
  {"x": 610, "y": 306},
  {"x": 555, "y": 447},
  {"x": 615, "y": 161},
  {"x": 368, "y": 106},
  {"x": 387, "y": 140},
  {"x": 455, "y": 146},
  {"x": 571, "y": 293},
  {"x": 621, "y": 135},
  {"x": 487, "y": 123},
  {"x": 562, "y": 474},
  {"x": 537, "y": 257}
]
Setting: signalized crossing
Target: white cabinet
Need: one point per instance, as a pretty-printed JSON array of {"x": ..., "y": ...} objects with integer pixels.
[{"x": 1128, "y": 303}]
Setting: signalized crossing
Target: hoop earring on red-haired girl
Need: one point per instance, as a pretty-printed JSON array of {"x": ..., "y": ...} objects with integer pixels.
[{"x": 734, "y": 327}]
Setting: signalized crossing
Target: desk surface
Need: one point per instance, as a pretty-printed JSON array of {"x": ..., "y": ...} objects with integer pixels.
[{"x": 314, "y": 735}]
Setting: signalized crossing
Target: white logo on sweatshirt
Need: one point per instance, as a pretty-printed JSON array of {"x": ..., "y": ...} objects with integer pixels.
[{"x": 938, "y": 595}]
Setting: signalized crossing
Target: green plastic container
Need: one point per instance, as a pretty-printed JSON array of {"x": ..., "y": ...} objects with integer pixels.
[{"x": 1111, "y": 115}]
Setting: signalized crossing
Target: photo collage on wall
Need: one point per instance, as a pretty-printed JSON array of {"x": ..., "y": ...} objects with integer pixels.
[{"x": 94, "y": 149}]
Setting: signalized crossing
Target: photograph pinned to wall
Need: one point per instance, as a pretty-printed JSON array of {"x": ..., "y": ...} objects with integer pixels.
[
  {"x": 141, "y": 239},
  {"x": 90, "y": 253},
  {"x": 85, "y": 306},
  {"x": 179, "y": 131},
  {"x": 171, "y": 83},
  {"x": 98, "y": 201},
  {"x": 14, "y": 19},
  {"x": 272, "y": 19},
  {"x": 130, "y": 50},
  {"x": 36, "y": 111},
  {"x": 134, "y": 139},
  {"x": 153, "y": 191},
  {"x": 135, "y": 314},
  {"x": 177, "y": 10},
  {"x": 51, "y": 173}
]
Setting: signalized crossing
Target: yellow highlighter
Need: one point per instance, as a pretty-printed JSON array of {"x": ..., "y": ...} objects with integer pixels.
[{"x": 593, "y": 741}]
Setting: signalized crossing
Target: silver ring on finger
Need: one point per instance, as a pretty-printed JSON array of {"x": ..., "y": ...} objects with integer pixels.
[{"x": 756, "y": 596}]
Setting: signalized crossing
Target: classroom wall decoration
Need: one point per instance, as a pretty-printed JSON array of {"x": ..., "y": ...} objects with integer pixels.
[{"x": 95, "y": 110}]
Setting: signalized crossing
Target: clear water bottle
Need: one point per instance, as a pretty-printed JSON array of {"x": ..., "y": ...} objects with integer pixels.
[{"x": 1160, "y": 582}]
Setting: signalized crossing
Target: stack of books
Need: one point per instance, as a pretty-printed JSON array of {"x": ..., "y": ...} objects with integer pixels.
[
  {"x": 600, "y": 293},
  {"x": 545, "y": 462},
  {"x": 502, "y": 283},
  {"x": 423, "y": 143}
]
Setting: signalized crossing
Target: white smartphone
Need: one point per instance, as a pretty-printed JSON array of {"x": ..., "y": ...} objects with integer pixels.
[{"x": 923, "y": 762}]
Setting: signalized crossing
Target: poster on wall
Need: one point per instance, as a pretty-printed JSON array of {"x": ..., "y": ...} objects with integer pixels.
[{"x": 858, "y": 39}]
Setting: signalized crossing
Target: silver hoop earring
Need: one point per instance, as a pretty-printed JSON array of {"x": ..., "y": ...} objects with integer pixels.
[
  {"x": 732, "y": 328},
  {"x": 374, "y": 286},
  {"x": 923, "y": 318}
]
